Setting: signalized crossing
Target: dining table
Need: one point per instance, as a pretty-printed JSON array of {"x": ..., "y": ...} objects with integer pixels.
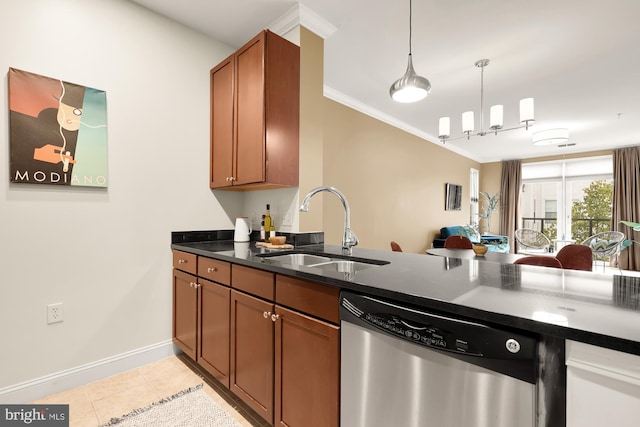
[{"x": 498, "y": 257}]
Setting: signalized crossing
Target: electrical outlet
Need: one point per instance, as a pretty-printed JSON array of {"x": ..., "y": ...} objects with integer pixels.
[
  {"x": 287, "y": 221},
  {"x": 55, "y": 313}
]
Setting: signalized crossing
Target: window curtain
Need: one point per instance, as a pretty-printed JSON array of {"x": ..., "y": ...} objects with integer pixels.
[
  {"x": 626, "y": 202},
  {"x": 510, "y": 183}
]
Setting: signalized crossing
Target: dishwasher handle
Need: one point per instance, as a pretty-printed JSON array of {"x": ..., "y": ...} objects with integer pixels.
[{"x": 417, "y": 328}]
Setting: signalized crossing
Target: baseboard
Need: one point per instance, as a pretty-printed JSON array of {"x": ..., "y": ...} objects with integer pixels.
[{"x": 38, "y": 388}]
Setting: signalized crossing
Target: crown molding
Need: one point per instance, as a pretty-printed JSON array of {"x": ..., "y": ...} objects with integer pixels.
[
  {"x": 300, "y": 14},
  {"x": 316, "y": 23},
  {"x": 350, "y": 102}
]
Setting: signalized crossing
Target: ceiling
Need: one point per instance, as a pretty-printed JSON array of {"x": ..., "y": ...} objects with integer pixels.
[{"x": 579, "y": 60}]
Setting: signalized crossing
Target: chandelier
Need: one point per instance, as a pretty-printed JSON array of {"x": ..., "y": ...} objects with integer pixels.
[{"x": 495, "y": 118}]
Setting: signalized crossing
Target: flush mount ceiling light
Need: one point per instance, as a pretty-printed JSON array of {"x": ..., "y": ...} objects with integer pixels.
[
  {"x": 550, "y": 136},
  {"x": 410, "y": 87},
  {"x": 495, "y": 119}
]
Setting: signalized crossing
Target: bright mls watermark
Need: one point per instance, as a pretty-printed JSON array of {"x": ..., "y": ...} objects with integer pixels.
[{"x": 34, "y": 415}]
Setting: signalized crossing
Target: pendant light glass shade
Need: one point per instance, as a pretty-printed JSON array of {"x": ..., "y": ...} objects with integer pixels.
[
  {"x": 526, "y": 111},
  {"x": 495, "y": 117},
  {"x": 410, "y": 87},
  {"x": 444, "y": 128},
  {"x": 467, "y": 122}
]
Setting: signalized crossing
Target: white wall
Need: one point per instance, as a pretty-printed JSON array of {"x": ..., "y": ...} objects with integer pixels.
[{"x": 105, "y": 253}]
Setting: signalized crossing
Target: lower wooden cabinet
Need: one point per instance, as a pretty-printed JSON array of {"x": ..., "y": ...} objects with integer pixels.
[
  {"x": 185, "y": 312},
  {"x": 201, "y": 317},
  {"x": 252, "y": 352},
  {"x": 272, "y": 339},
  {"x": 284, "y": 364},
  {"x": 213, "y": 346},
  {"x": 307, "y": 371}
]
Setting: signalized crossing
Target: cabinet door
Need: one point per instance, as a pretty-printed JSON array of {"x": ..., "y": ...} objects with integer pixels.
[
  {"x": 213, "y": 350},
  {"x": 307, "y": 371},
  {"x": 185, "y": 312},
  {"x": 222, "y": 138},
  {"x": 252, "y": 352},
  {"x": 250, "y": 113}
]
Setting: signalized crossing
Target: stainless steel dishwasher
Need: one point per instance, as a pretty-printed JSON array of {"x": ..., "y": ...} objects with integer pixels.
[{"x": 407, "y": 368}]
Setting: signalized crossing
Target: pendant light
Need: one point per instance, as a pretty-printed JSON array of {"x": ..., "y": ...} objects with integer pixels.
[{"x": 410, "y": 87}]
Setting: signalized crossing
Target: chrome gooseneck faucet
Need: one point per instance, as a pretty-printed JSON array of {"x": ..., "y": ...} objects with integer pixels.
[{"x": 349, "y": 238}]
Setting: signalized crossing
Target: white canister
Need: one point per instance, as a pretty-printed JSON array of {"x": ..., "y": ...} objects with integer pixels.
[{"x": 242, "y": 230}]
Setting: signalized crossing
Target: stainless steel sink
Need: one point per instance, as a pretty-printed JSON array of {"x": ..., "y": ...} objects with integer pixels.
[
  {"x": 299, "y": 259},
  {"x": 328, "y": 262},
  {"x": 343, "y": 266}
]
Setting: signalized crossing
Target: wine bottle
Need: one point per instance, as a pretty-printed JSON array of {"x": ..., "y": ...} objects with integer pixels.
[{"x": 267, "y": 221}]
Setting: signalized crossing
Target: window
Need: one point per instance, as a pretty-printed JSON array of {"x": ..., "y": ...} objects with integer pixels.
[
  {"x": 474, "y": 193},
  {"x": 567, "y": 199},
  {"x": 550, "y": 208}
]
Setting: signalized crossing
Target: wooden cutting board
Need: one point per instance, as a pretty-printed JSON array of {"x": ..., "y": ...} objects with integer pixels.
[{"x": 272, "y": 246}]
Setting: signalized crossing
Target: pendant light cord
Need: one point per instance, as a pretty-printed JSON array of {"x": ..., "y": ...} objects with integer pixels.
[
  {"x": 410, "y": 27},
  {"x": 482, "y": 99}
]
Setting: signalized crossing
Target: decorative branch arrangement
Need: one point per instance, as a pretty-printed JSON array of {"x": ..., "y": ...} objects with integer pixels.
[{"x": 491, "y": 205}]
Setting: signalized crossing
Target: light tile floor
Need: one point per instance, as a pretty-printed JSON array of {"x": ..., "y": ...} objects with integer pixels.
[{"x": 96, "y": 403}]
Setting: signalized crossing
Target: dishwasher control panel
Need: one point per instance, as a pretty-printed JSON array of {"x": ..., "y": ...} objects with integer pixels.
[
  {"x": 424, "y": 334},
  {"x": 481, "y": 344}
]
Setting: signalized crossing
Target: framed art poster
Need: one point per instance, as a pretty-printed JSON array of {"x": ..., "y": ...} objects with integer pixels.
[
  {"x": 57, "y": 131},
  {"x": 453, "y": 197}
]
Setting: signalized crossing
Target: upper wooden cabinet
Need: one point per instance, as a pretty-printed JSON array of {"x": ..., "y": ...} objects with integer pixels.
[{"x": 255, "y": 116}]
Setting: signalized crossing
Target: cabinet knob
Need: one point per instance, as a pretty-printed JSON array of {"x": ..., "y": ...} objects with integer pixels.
[
  {"x": 275, "y": 317},
  {"x": 192, "y": 285},
  {"x": 182, "y": 261},
  {"x": 266, "y": 314},
  {"x": 211, "y": 269}
]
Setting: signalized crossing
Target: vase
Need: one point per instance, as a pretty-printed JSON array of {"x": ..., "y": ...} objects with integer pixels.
[{"x": 488, "y": 224}]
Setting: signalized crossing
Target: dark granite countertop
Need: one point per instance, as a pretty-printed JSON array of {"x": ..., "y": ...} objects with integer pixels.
[{"x": 590, "y": 307}]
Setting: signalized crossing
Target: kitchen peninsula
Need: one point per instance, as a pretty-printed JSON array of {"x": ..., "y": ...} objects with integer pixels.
[{"x": 587, "y": 310}]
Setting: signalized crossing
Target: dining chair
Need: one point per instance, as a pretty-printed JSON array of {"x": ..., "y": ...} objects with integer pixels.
[
  {"x": 576, "y": 257},
  {"x": 458, "y": 242},
  {"x": 539, "y": 260},
  {"x": 395, "y": 247},
  {"x": 532, "y": 240}
]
